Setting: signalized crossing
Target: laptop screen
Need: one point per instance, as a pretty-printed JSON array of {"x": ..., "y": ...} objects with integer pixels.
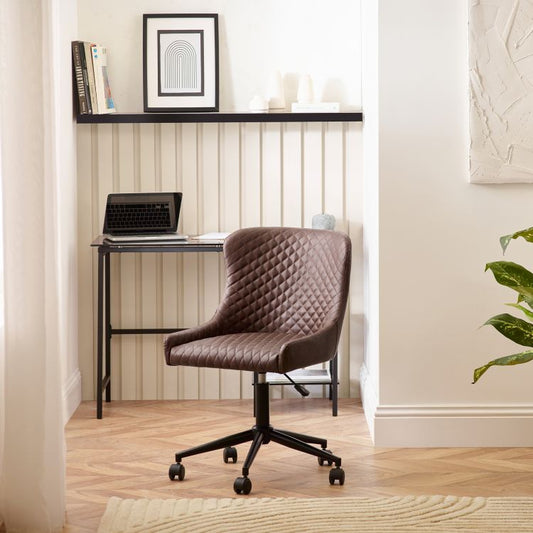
[{"x": 154, "y": 212}]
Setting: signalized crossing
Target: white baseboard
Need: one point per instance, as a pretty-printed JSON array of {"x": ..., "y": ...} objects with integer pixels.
[
  {"x": 427, "y": 426},
  {"x": 71, "y": 395},
  {"x": 453, "y": 426}
]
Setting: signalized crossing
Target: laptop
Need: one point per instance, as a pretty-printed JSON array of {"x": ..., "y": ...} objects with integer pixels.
[{"x": 143, "y": 217}]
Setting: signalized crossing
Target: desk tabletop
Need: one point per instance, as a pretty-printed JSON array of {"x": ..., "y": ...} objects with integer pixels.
[{"x": 190, "y": 244}]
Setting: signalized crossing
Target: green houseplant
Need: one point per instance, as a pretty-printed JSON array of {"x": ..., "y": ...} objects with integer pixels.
[{"x": 519, "y": 279}]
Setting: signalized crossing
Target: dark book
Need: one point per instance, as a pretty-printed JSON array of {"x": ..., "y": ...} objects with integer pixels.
[
  {"x": 85, "y": 71},
  {"x": 83, "y": 107}
]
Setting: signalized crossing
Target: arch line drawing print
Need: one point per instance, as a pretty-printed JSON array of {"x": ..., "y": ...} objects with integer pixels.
[{"x": 181, "y": 63}]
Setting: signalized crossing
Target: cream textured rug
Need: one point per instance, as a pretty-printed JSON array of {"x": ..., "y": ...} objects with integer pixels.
[{"x": 312, "y": 515}]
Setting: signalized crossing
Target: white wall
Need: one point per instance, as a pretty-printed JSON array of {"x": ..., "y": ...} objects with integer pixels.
[
  {"x": 318, "y": 37},
  {"x": 436, "y": 232}
]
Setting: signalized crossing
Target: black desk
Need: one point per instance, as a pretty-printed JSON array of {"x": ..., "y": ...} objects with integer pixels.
[{"x": 105, "y": 330}]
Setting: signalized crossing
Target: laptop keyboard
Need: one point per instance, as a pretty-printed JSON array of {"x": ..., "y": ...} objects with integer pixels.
[{"x": 145, "y": 216}]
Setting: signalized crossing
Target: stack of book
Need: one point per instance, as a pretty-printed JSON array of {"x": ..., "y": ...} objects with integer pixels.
[{"x": 89, "y": 62}]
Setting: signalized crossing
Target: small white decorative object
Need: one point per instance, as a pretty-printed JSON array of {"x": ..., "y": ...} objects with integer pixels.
[
  {"x": 258, "y": 103},
  {"x": 275, "y": 93},
  {"x": 305, "y": 90},
  {"x": 323, "y": 221},
  {"x": 316, "y": 107}
]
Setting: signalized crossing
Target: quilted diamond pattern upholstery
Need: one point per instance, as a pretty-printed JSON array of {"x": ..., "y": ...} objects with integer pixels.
[
  {"x": 236, "y": 350},
  {"x": 283, "y": 306}
]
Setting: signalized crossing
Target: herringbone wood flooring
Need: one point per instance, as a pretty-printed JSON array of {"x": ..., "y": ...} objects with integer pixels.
[{"x": 128, "y": 452}]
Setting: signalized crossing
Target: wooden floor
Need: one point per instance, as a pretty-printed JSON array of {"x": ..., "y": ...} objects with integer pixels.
[{"x": 128, "y": 452}]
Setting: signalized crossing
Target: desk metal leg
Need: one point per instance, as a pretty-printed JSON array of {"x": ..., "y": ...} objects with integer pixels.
[
  {"x": 334, "y": 371},
  {"x": 100, "y": 335},
  {"x": 107, "y": 329},
  {"x": 104, "y": 333}
]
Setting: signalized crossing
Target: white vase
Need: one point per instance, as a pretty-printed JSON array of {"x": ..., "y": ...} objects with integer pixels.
[
  {"x": 305, "y": 90},
  {"x": 275, "y": 93}
]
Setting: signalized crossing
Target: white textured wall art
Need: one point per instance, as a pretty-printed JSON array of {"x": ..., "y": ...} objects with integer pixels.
[{"x": 501, "y": 91}]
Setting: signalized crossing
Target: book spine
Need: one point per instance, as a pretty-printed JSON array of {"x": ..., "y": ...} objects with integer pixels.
[
  {"x": 90, "y": 75},
  {"x": 78, "y": 73},
  {"x": 85, "y": 76},
  {"x": 105, "y": 100}
]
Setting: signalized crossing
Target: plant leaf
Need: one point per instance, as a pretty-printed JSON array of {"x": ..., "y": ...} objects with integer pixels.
[
  {"x": 526, "y": 234},
  {"x": 514, "y": 276},
  {"x": 513, "y": 328},
  {"x": 526, "y": 312},
  {"x": 529, "y": 301},
  {"x": 515, "y": 359}
]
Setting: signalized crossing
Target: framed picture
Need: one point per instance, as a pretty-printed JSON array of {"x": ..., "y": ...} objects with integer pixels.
[{"x": 180, "y": 62}]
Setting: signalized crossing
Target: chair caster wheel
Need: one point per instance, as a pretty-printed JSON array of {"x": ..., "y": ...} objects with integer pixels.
[
  {"x": 176, "y": 470},
  {"x": 230, "y": 453},
  {"x": 242, "y": 485},
  {"x": 322, "y": 461},
  {"x": 336, "y": 474}
]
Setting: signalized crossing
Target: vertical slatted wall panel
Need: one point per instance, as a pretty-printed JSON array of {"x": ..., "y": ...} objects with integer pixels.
[
  {"x": 170, "y": 283},
  {"x": 209, "y": 193},
  {"x": 334, "y": 203},
  {"x": 130, "y": 352},
  {"x": 148, "y": 145},
  {"x": 231, "y": 176},
  {"x": 230, "y": 220},
  {"x": 250, "y": 195},
  {"x": 353, "y": 346},
  {"x": 191, "y": 310},
  {"x": 86, "y": 264}
]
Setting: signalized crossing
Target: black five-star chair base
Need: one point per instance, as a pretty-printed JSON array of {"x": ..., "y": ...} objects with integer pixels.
[{"x": 261, "y": 433}]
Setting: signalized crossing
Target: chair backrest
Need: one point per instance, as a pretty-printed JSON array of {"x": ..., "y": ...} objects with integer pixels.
[{"x": 285, "y": 279}]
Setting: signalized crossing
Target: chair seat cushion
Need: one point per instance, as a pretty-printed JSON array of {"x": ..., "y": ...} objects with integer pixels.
[{"x": 256, "y": 352}]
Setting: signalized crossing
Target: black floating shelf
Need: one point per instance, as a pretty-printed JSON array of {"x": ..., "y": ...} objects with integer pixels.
[{"x": 267, "y": 116}]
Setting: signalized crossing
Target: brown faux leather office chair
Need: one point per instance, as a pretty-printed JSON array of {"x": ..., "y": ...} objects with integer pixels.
[{"x": 285, "y": 297}]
